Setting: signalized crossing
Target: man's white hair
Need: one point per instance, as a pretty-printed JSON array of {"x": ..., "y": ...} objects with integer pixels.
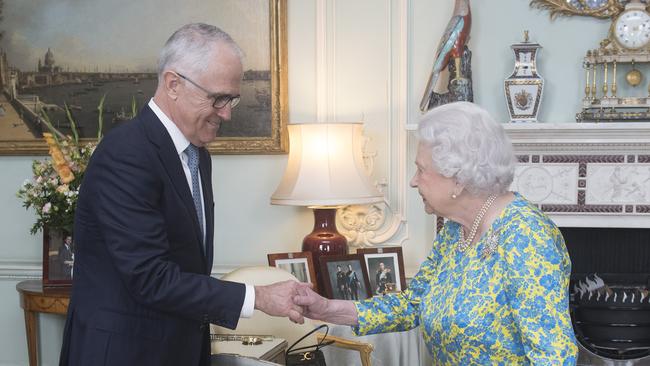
[
  {"x": 469, "y": 145},
  {"x": 191, "y": 48}
]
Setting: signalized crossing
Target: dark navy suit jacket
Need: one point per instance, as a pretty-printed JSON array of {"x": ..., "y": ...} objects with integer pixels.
[{"x": 141, "y": 293}]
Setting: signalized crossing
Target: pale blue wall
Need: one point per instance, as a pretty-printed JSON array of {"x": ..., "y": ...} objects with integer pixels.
[
  {"x": 564, "y": 41},
  {"x": 17, "y": 246}
]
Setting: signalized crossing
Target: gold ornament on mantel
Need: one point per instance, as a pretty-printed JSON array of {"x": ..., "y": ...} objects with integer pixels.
[
  {"x": 633, "y": 77},
  {"x": 627, "y": 45}
]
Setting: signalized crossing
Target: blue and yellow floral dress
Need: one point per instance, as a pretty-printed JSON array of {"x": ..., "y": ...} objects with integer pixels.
[{"x": 504, "y": 301}]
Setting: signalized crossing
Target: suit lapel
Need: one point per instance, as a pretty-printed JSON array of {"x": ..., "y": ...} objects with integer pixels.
[{"x": 172, "y": 163}]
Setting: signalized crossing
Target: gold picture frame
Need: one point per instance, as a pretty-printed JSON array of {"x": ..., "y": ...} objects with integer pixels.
[{"x": 264, "y": 134}]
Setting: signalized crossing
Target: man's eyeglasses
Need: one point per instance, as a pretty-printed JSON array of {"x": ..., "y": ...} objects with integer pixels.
[{"x": 220, "y": 100}]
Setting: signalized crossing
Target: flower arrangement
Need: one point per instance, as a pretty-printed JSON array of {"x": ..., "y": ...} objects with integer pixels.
[{"x": 54, "y": 188}]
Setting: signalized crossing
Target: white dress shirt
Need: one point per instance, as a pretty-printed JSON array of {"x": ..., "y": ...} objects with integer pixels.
[{"x": 181, "y": 143}]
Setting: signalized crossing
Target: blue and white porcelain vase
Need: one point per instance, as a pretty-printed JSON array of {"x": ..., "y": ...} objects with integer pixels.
[{"x": 524, "y": 88}]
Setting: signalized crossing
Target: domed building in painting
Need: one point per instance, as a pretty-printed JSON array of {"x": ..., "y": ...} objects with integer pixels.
[{"x": 49, "y": 64}]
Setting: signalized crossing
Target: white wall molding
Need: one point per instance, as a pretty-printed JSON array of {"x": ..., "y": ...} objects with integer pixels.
[
  {"x": 19, "y": 269},
  {"x": 325, "y": 60},
  {"x": 568, "y": 136},
  {"x": 386, "y": 224}
]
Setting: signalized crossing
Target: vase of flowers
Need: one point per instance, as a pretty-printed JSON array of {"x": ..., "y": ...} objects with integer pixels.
[{"x": 52, "y": 193}]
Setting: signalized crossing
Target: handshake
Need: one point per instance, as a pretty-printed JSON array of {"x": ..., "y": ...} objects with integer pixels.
[{"x": 297, "y": 300}]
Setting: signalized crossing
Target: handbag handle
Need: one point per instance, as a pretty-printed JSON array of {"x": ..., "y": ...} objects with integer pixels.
[{"x": 318, "y": 346}]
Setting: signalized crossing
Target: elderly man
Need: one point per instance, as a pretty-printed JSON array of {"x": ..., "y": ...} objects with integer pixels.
[{"x": 142, "y": 292}]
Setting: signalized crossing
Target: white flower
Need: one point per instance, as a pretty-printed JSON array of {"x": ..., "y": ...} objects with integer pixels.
[{"x": 47, "y": 207}]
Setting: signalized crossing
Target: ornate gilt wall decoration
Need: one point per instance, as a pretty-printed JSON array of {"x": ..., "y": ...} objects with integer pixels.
[{"x": 594, "y": 8}]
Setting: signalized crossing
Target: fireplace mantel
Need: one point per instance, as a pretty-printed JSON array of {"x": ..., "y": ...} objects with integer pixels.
[
  {"x": 585, "y": 174},
  {"x": 583, "y": 137}
]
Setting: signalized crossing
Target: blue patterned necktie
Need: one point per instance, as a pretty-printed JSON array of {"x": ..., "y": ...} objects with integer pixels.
[{"x": 193, "y": 154}]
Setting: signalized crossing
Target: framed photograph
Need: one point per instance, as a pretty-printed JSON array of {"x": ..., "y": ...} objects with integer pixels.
[
  {"x": 385, "y": 268},
  {"x": 344, "y": 277},
  {"x": 58, "y": 258},
  {"x": 299, "y": 264},
  {"x": 72, "y": 57}
]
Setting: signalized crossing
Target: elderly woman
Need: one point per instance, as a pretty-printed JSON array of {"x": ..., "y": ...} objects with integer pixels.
[{"x": 494, "y": 289}]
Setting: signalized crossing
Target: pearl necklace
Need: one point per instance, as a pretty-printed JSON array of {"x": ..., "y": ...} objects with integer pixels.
[{"x": 465, "y": 243}]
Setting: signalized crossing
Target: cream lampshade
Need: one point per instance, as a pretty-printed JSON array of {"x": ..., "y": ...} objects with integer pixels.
[{"x": 325, "y": 171}]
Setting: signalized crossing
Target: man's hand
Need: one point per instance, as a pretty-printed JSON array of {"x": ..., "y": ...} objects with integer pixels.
[
  {"x": 314, "y": 305},
  {"x": 277, "y": 299}
]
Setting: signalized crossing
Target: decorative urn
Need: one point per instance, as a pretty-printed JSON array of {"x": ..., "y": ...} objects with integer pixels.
[{"x": 524, "y": 88}]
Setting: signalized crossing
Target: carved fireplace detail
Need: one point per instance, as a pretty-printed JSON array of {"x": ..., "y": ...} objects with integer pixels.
[{"x": 585, "y": 175}]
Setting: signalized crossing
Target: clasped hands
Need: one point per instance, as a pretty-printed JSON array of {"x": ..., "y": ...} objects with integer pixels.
[{"x": 295, "y": 300}]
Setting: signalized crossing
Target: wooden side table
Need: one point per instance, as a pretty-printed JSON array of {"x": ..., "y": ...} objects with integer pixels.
[{"x": 33, "y": 299}]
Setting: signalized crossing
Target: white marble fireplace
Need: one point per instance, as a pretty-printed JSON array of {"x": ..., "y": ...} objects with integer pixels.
[{"x": 585, "y": 174}]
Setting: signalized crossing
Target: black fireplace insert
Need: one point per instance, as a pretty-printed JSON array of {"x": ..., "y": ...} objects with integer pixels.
[
  {"x": 612, "y": 320},
  {"x": 610, "y": 301}
]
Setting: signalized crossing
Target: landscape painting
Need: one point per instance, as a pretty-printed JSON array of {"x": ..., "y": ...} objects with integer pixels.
[{"x": 66, "y": 56}]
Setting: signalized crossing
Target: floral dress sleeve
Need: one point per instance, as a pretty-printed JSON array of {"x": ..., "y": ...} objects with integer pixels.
[
  {"x": 536, "y": 285},
  {"x": 398, "y": 312}
]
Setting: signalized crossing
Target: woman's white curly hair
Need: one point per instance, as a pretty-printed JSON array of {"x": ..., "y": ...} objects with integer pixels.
[{"x": 469, "y": 145}]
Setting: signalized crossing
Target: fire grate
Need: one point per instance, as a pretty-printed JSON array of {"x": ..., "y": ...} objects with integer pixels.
[{"x": 611, "y": 314}]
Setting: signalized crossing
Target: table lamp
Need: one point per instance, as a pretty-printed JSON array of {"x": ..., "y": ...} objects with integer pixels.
[{"x": 325, "y": 171}]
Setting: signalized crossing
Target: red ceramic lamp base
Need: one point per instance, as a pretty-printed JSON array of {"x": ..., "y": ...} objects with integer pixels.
[{"x": 324, "y": 240}]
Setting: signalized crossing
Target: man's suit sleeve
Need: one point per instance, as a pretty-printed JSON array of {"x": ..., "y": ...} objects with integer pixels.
[{"x": 128, "y": 207}]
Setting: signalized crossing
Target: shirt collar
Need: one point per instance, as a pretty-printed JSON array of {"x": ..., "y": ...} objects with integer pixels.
[{"x": 180, "y": 141}]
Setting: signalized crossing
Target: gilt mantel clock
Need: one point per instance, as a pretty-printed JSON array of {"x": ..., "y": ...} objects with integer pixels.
[
  {"x": 631, "y": 28},
  {"x": 623, "y": 54}
]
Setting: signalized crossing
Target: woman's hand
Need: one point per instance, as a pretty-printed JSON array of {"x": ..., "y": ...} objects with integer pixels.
[{"x": 319, "y": 308}]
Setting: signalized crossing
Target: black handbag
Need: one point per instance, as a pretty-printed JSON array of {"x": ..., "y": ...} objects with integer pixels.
[{"x": 306, "y": 356}]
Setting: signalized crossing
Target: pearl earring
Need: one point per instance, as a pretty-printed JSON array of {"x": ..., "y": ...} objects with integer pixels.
[{"x": 453, "y": 196}]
